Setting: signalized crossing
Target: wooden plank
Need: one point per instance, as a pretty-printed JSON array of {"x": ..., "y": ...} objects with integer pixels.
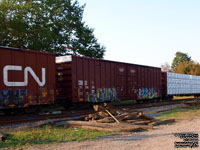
[
  {"x": 112, "y": 116},
  {"x": 122, "y": 127},
  {"x": 161, "y": 122}
]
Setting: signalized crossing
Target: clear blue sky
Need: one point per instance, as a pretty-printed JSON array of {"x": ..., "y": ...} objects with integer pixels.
[{"x": 147, "y": 32}]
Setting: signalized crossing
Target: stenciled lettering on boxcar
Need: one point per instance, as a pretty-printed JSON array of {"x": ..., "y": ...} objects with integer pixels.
[
  {"x": 12, "y": 97},
  {"x": 147, "y": 93},
  {"x": 102, "y": 95},
  {"x": 27, "y": 70}
]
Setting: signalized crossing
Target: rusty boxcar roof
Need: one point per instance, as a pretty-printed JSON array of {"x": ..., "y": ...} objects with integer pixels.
[
  {"x": 20, "y": 49},
  {"x": 67, "y": 58}
]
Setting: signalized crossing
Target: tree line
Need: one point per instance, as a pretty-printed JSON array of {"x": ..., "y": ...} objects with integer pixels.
[{"x": 182, "y": 63}]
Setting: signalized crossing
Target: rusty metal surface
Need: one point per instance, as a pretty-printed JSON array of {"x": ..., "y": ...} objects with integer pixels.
[
  {"x": 164, "y": 84},
  {"x": 27, "y": 78},
  {"x": 95, "y": 80}
]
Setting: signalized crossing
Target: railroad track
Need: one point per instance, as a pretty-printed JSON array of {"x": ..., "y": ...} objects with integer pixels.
[
  {"x": 14, "y": 120},
  {"x": 156, "y": 104}
]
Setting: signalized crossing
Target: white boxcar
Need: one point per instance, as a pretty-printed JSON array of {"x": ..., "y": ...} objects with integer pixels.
[{"x": 182, "y": 84}]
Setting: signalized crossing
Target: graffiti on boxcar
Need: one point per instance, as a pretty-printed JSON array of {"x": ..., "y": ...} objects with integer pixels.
[
  {"x": 102, "y": 95},
  {"x": 147, "y": 93},
  {"x": 12, "y": 97}
]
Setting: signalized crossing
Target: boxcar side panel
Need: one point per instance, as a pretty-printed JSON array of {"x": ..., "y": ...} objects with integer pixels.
[
  {"x": 148, "y": 82},
  {"x": 27, "y": 78},
  {"x": 96, "y": 80},
  {"x": 93, "y": 80}
]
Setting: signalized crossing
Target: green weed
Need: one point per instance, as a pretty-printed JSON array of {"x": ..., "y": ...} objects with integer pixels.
[{"x": 48, "y": 134}]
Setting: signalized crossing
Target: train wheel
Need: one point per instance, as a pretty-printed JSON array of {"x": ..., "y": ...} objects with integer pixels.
[
  {"x": 30, "y": 110},
  {"x": 67, "y": 105}
]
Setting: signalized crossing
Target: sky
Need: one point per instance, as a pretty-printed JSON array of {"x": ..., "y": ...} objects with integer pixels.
[{"x": 146, "y": 32}]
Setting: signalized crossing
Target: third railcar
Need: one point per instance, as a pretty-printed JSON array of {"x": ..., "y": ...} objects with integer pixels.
[
  {"x": 82, "y": 79},
  {"x": 174, "y": 84}
]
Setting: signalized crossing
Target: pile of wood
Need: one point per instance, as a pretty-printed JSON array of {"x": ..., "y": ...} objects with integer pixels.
[
  {"x": 109, "y": 114},
  {"x": 110, "y": 118}
]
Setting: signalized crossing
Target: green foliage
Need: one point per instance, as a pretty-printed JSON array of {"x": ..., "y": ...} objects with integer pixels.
[
  {"x": 47, "y": 25},
  {"x": 48, "y": 135},
  {"x": 179, "y": 58}
]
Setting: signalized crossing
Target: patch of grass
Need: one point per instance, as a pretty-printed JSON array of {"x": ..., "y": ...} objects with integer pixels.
[
  {"x": 181, "y": 113},
  {"x": 123, "y": 102},
  {"x": 48, "y": 135}
]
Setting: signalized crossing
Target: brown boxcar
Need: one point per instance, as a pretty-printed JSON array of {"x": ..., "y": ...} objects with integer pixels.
[
  {"x": 81, "y": 79},
  {"x": 27, "y": 78}
]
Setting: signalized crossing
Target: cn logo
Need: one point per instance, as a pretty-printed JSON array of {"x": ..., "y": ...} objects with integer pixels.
[{"x": 7, "y": 68}]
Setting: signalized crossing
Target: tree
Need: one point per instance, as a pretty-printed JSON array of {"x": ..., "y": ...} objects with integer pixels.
[
  {"x": 184, "y": 67},
  {"x": 195, "y": 70},
  {"x": 165, "y": 67},
  {"x": 47, "y": 25},
  {"x": 179, "y": 58},
  {"x": 188, "y": 67}
]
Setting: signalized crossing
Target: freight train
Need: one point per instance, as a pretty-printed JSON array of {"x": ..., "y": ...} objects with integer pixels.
[{"x": 31, "y": 78}]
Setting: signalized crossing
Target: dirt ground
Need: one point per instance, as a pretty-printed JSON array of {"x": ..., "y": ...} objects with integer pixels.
[{"x": 160, "y": 138}]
